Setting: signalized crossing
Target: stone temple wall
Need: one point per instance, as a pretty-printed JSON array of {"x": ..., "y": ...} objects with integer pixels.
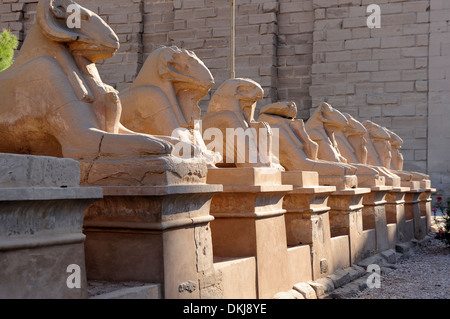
[
  {"x": 376, "y": 74},
  {"x": 306, "y": 51},
  {"x": 439, "y": 96},
  {"x": 273, "y": 39}
]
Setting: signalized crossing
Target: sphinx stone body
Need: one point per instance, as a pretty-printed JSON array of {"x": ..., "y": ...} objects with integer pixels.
[
  {"x": 396, "y": 155},
  {"x": 380, "y": 150},
  {"x": 322, "y": 128},
  {"x": 55, "y": 103},
  {"x": 163, "y": 100},
  {"x": 351, "y": 141},
  {"x": 233, "y": 107},
  {"x": 166, "y": 92},
  {"x": 356, "y": 146},
  {"x": 387, "y": 145},
  {"x": 297, "y": 150}
]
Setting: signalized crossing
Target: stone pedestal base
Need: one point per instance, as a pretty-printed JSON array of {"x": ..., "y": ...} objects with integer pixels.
[
  {"x": 340, "y": 182},
  {"x": 411, "y": 184},
  {"x": 415, "y": 228},
  {"x": 238, "y": 277},
  {"x": 346, "y": 219},
  {"x": 426, "y": 185},
  {"x": 249, "y": 221},
  {"x": 307, "y": 219},
  {"x": 395, "y": 211},
  {"x": 374, "y": 215},
  {"x": 154, "y": 235},
  {"x": 371, "y": 181},
  {"x": 41, "y": 219},
  {"x": 393, "y": 181},
  {"x": 425, "y": 207},
  {"x": 156, "y": 171}
]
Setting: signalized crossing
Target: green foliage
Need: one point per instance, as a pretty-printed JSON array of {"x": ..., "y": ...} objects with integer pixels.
[
  {"x": 8, "y": 43},
  {"x": 443, "y": 222}
]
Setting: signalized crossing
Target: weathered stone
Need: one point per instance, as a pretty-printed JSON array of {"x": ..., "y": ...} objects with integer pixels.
[
  {"x": 298, "y": 150},
  {"x": 324, "y": 266},
  {"x": 322, "y": 286},
  {"x": 296, "y": 294},
  {"x": 362, "y": 282},
  {"x": 306, "y": 290},
  {"x": 340, "y": 277},
  {"x": 307, "y": 219},
  {"x": 327, "y": 283},
  {"x": 402, "y": 247},
  {"x": 41, "y": 229},
  {"x": 346, "y": 292},
  {"x": 233, "y": 106},
  {"x": 61, "y": 79},
  {"x": 389, "y": 256},
  {"x": 355, "y": 272},
  {"x": 42, "y": 171},
  {"x": 171, "y": 21},
  {"x": 346, "y": 219},
  {"x": 326, "y": 127},
  {"x": 249, "y": 221},
  {"x": 372, "y": 260},
  {"x": 318, "y": 288},
  {"x": 163, "y": 111},
  {"x": 179, "y": 221},
  {"x": 318, "y": 72},
  {"x": 287, "y": 110},
  {"x": 284, "y": 295},
  {"x": 425, "y": 240}
]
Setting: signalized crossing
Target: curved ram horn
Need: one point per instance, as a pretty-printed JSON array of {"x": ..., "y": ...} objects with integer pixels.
[
  {"x": 46, "y": 15},
  {"x": 165, "y": 59}
]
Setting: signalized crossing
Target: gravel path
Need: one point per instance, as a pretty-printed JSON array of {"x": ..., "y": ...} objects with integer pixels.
[{"x": 425, "y": 274}]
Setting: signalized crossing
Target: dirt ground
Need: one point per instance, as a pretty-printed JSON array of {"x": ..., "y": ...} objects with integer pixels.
[{"x": 425, "y": 274}]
